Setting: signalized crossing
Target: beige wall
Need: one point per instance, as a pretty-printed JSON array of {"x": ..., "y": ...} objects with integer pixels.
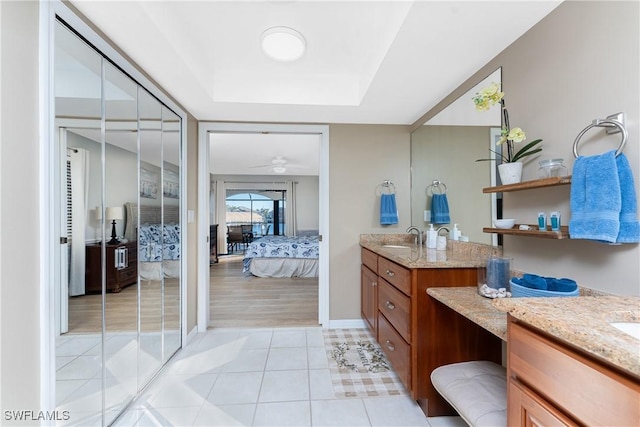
[
  {"x": 579, "y": 63},
  {"x": 360, "y": 158},
  {"x": 20, "y": 265}
]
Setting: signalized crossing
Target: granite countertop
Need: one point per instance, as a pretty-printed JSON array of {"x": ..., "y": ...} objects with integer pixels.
[
  {"x": 457, "y": 255},
  {"x": 584, "y": 322},
  {"x": 470, "y": 304}
]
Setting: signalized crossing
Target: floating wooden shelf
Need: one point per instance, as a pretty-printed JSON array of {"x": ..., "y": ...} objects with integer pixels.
[
  {"x": 528, "y": 185},
  {"x": 534, "y": 232}
]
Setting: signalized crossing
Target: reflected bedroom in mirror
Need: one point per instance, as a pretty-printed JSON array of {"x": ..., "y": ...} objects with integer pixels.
[{"x": 444, "y": 151}]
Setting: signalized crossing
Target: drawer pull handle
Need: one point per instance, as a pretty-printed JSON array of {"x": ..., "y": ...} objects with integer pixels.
[
  {"x": 390, "y": 345},
  {"x": 390, "y": 273},
  {"x": 390, "y": 305}
]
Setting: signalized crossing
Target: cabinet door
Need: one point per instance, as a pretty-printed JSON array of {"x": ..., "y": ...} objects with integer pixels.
[
  {"x": 525, "y": 408},
  {"x": 369, "y": 298}
]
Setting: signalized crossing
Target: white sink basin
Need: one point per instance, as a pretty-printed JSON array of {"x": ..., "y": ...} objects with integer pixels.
[
  {"x": 396, "y": 246},
  {"x": 631, "y": 328}
]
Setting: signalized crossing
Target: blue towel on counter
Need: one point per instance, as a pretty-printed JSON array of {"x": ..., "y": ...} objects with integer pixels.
[
  {"x": 388, "y": 209},
  {"x": 533, "y": 281},
  {"x": 440, "y": 209},
  {"x": 595, "y": 198},
  {"x": 629, "y": 226}
]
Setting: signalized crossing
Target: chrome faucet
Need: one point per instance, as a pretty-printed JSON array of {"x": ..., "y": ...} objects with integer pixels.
[
  {"x": 442, "y": 227},
  {"x": 417, "y": 230}
]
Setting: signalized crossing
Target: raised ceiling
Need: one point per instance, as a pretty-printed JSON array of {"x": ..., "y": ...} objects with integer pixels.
[{"x": 382, "y": 62}]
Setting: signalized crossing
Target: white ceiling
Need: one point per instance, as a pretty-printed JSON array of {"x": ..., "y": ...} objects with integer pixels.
[{"x": 367, "y": 61}]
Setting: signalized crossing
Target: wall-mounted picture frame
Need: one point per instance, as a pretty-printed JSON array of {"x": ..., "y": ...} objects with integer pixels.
[
  {"x": 148, "y": 184},
  {"x": 171, "y": 184}
]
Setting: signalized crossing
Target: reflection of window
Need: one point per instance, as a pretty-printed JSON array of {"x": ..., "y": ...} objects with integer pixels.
[{"x": 260, "y": 209}]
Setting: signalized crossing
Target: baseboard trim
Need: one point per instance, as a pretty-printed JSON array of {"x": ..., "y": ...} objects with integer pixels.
[
  {"x": 347, "y": 324},
  {"x": 191, "y": 335}
]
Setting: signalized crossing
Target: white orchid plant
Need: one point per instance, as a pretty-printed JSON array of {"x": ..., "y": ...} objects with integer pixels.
[{"x": 487, "y": 98}]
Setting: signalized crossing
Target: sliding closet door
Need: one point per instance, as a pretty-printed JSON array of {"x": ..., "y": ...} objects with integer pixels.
[
  {"x": 121, "y": 287},
  {"x": 149, "y": 235},
  {"x": 78, "y": 308},
  {"x": 172, "y": 234}
]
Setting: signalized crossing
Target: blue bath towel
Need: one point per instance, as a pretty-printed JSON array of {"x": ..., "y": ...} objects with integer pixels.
[
  {"x": 629, "y": 226},
  {"x": 595, "y": 198},
  {"x": 388, "y": 209},
  {"x": 440, "y": 209}
]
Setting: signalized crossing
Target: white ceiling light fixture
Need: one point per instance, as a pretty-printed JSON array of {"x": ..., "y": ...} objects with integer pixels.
[
  {"x": 279, "y": 164},
  {"x": 283, "y": 44}
]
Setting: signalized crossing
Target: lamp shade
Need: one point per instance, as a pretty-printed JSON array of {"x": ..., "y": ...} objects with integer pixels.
[
  {"x": 98, "y": 213},
  {"x": 114, "y": 213}
]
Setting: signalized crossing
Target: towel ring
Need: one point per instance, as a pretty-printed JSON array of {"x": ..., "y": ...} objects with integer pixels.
[
  {"x": 439, "y": 185},
  {"x": 391, "y": 188},
  {"x": 603, "y": 123}
]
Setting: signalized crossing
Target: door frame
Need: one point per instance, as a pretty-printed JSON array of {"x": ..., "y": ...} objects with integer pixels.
[{"x": 204, "y": 128}]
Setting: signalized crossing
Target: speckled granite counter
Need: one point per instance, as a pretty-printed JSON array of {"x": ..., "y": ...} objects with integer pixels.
[
  {"x": 584, "y": 322},
  {"x": 457, "y": 255},
  {"x": 474, "y": 307}
]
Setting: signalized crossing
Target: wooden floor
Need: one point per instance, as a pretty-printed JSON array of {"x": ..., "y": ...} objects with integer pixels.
[
  {"x": 241, "y": 300},
  {"x": 85, "y": 313}
]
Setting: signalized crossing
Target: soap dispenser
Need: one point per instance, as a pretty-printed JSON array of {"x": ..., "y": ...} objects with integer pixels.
[
  {"x": 432, "y": 237},
  {"x": 455, "y": 233}
]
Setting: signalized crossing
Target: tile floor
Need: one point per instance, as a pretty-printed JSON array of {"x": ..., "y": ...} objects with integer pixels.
[{"x": 262, "y": 377}]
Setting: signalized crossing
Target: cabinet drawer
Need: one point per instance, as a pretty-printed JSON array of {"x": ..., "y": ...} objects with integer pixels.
[
  {"x": 398, "y": 276},
  {"x": 396, "y": 307},
  {"x": 370, "y": 259},
  {"x": 578, "y": 386},
  {"x": 397, "y": 350}
]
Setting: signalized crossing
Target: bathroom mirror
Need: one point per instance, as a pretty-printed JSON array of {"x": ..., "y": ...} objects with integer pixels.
[{"x": 444, "y": 149}]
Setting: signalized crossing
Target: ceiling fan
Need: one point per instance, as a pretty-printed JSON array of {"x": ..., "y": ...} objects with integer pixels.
[{"x": 279, "y": 165}]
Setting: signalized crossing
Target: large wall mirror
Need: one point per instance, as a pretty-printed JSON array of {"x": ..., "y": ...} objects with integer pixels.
[
  {"x": 118, "y": 294},
  {"x": 444, "y": 150}
]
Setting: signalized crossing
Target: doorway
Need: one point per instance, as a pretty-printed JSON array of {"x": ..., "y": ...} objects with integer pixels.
[{"x": 274, "y": 182}]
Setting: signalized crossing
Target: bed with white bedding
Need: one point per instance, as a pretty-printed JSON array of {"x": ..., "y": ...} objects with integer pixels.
[
  {"x": 158, "y": 244},
  {"x": 281, "y": 256}
]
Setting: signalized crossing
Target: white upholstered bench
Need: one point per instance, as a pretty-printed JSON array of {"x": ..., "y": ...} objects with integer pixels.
[{"x": 477, "y": 390}]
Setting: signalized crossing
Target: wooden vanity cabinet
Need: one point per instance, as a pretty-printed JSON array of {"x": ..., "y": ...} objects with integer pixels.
[
  {"x": 414, "y": 330},
  {"x": 551, "y": 383}
]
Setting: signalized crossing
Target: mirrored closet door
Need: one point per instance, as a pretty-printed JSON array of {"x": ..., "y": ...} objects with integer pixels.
[{"x": 118, "y": 293}]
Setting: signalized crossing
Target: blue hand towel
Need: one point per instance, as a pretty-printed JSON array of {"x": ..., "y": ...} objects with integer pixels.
[
  {"x": 561, "y": 285},
  {"x": 388, "y": 209},
  {"x": 534, "y": 281},
  {"x": 629, "y": 226},
  {"x": 595, "y": 198},
  {"x": 440, "y": 209}
]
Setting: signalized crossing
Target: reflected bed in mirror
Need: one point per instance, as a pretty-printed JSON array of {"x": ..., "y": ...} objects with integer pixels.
[{"x": 445, "y": 149}]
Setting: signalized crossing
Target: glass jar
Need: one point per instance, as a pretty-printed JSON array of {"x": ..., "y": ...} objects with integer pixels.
[{"x": 551, "y": 168}]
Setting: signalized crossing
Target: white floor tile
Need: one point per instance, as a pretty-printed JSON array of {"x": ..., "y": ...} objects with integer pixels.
[
  {"x": 396, "y": 411},
  {"x": 233, "y": 388},
  {"x": 256, "y": 338},
  {"x": 251, "y": 360},
  {"x": 167, "y": 417},
  {"x": 287, "y": 358},
  {"x": 295, "y": 337},
  {"x": 317, "y": 358},
  {"x": 178, "y": 391},
  {"x": 283, "y": 414},
  {"x": 320, "y": 385},
  {"x": 280, "y": 386},
  {"x": 345, "y": 412},
  {"x": 77, "y": 345},
  {"x": 315, "y": 337},
  {"x": 446, "y": 422},
  {"x": 225, "y": 415}
]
